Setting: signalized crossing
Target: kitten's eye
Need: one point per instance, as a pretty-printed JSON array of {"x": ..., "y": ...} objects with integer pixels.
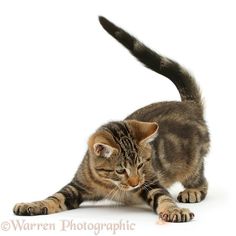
[
  {"x": 103, "y": 170},
  {"x": 140, "y": 165},
  {"x": 120, "y": 171}
]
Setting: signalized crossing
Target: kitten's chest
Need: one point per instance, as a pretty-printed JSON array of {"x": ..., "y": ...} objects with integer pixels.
[{"x": 128, "y": 198}]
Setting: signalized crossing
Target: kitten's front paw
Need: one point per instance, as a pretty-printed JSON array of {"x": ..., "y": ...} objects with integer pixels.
[
  {"x": 176, "y": 215},
  {"x": 30, "y": 209}
]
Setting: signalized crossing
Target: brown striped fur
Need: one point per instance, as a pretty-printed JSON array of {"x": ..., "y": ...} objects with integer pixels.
[{"x": 135, "y": 160}]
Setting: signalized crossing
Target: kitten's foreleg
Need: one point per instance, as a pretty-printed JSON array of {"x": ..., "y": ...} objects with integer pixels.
[
  {"x": 164, "y": 205},
  {"x": 69, "y": 197}
]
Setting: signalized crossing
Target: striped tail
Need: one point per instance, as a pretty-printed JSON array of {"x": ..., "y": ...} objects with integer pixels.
[{"x": 184, "y": 82}]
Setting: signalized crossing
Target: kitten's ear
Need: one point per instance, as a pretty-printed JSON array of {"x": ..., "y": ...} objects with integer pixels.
[
  {"x": 144, "y": 132},
  {"x": 102, "y": 144},
  {"x": 101, "y": 149}
]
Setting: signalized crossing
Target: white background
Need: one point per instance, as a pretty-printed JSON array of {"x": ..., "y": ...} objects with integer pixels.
[{"x": 62, "y": 76}]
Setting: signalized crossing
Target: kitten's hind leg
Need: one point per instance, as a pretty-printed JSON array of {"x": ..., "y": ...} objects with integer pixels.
[
  {"x": 69, "y": 197},
  {"x": 195, "y": 189}
]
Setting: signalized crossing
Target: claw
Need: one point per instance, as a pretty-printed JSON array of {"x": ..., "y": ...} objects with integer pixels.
[
  {"x": 174, "y": 218},
  {"x": 166, "y": 217},
  {"x": 29, "y": 210},
  {"x": 44, "y": 210},
  {"x": 191, "y": 215}
]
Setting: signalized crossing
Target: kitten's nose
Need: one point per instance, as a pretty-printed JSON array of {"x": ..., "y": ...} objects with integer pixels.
[{"x": 133, "y": 181}]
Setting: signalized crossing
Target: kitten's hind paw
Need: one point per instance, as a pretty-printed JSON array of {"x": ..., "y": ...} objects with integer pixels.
[{"x": 191, "y": 196}]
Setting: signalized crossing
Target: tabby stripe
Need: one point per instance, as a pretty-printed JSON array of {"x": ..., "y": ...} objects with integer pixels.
[
  {"x": 84, "y": 186},
  {"x": 106, "y": 170},
  {"x": 56, "y": 201},
  {"x": 53, "y": 198},
  {"x": 151, "y": 196},
  {"x": 78, "y": 187},
  {"x": 72, "y": 200},
  {"x": 127, "y": 128},
  {"x": 72, "y": 191},
  {"x": 114, "y": 133},
  {"x": 116, "y": 137},
  {"x": 144, "y": 192},
  {"x": 66, "y": 191},
  {"x": 155, "y": 200},
  {"x": 149, "y": 200},
  {"x": 95, "y": 180},
  {"x": 188, "y": 200},
  {"x": 129, "y": 160},
  {"x": 92, "y": 177},
  {"x": 123, "y": 128}
]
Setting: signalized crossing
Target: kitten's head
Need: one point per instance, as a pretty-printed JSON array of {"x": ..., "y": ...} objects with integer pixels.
[{"x": 121, "y": 150}]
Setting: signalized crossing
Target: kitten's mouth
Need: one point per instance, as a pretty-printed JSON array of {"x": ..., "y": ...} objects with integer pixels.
[{"x": 125, "y": 187}]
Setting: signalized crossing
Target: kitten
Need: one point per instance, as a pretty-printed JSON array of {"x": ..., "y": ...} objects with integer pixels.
[{"x": 135, "y": 160}]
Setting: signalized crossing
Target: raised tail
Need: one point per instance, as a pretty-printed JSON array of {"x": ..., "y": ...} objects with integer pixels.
[{"x": 184, "y": 82}]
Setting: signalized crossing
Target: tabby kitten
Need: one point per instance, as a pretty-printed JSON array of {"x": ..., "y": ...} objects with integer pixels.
[{"x": 135, "y": 160}]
